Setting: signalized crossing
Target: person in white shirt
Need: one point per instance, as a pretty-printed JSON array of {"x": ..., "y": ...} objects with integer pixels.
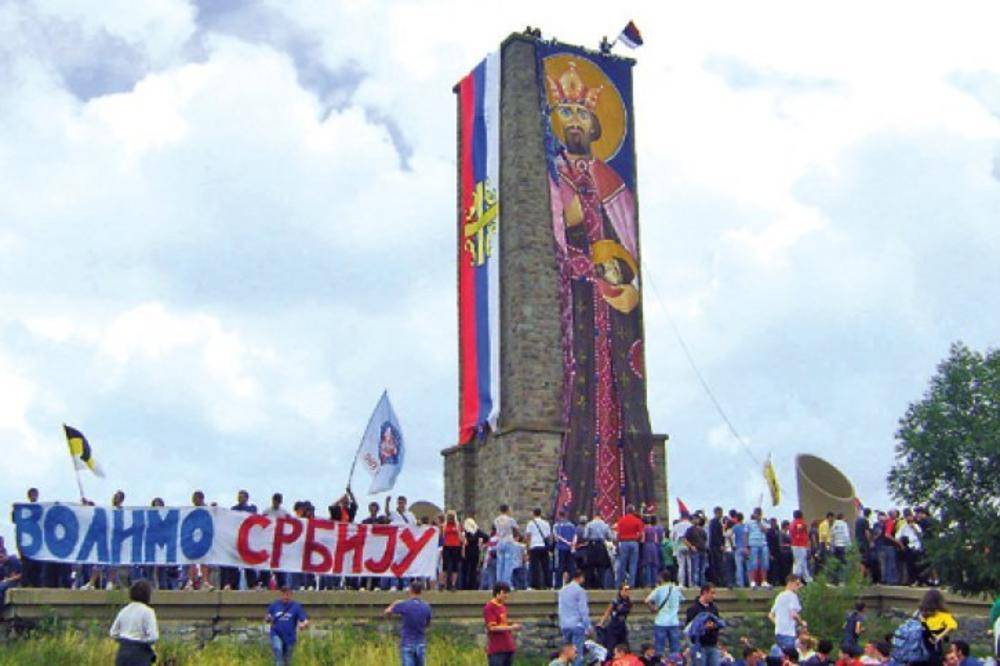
[
  {"x": 135, "y": 628},
  {"x": 539, "y": 537},
  {"x": 911, "y": 531},
  {"x": 840, "y": 533},
  {"x": 840, "y": 541},
  {"x": 400, "y": 516},
  {"x": 909, "y": 535},
  {"x": 274, "y": 512},
  {"x": 785, "y": 614},
  {"x": 682, "y": 550}
]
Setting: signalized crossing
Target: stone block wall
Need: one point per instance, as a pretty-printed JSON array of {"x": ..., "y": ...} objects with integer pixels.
[
  {"x": 531, "y": 356},
  {"x": 198, "y": 617},
  {"x": 538, "y": 637},
  {"x": 519, "y": 468}
]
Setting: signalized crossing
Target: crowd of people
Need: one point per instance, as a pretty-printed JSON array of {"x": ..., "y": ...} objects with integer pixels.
[
  {"x": 696, "y": 552},
  {"x": 726, "y": 549},
  {"x": 690, "y": 632},
  {"x": 689, "y": 637}
]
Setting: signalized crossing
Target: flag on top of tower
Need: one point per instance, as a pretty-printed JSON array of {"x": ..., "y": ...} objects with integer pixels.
[
  {"x": 79, "y": 449},
  {"x": 382, "y": 447},
  {"x": 630, "y": 36}
]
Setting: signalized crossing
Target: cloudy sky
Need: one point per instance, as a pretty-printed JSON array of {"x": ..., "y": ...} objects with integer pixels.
[{"x": 226, "y": 226}]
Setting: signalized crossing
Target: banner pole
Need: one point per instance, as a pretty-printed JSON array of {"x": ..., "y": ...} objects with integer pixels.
[
  {"x": 79, "y": 484},
  {"x": 354, "y": 464}
]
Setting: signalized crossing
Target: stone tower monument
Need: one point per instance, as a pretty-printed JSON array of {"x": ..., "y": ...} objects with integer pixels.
[{"x": 557, "y": 419}]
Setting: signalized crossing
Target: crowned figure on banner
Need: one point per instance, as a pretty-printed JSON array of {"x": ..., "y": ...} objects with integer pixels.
[{"x": 606, "y": 460}]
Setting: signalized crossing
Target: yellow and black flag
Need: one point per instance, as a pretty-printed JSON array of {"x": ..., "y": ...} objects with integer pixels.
[{"x": 80, "y": 451}]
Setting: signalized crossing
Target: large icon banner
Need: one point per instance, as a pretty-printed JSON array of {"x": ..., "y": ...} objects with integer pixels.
[{"x": 607, "y": 459}]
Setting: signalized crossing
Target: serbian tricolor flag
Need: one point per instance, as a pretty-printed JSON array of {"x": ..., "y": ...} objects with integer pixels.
[
  {"x": 479, "y": 249},
  {"x": 630, "y": 36}
]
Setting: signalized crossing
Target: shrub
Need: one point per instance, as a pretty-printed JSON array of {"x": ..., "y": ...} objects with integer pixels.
[{"x": 825, "y": 606}]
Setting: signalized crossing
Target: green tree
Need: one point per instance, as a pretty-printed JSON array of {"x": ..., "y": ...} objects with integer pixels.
[
  {"x": 824, "y": 605},
  {"x": 948, "y": 459}
]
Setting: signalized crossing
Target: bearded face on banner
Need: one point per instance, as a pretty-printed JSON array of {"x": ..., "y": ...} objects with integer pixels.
[{"x": 388, "y": 447}]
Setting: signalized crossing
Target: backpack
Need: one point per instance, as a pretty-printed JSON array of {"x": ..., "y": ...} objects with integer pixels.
[{"x": 908, "y": 643}]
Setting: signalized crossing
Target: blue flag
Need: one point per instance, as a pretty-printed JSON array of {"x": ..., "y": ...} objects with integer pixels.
[{"x": 382, "y": 447}]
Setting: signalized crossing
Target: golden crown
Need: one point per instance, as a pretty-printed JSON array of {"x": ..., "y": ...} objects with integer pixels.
[{"x": 570, "y": 89}]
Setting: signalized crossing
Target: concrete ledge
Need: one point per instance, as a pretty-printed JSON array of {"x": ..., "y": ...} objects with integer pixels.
[{"x": 33, "y": 604}]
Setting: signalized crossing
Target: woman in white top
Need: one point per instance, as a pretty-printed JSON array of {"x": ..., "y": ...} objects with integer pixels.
[{"x": 135, "y": 628}]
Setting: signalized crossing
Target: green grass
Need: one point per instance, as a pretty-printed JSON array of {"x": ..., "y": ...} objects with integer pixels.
[{"x": 70, "y": 647}]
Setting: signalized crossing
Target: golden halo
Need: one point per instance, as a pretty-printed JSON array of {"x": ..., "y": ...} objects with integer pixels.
[{"x": 610, "y": 108}]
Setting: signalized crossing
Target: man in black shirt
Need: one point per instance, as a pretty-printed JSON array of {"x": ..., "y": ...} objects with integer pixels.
[
  {"x": 821, "y": 656},
  {"x": 862, "y": 531},
  {"x": 345, "y": 509},
  {"x": 926, "y": 576},
  {"x": 697, "y": 537},
  {"x": 371, "y": 582},
  {"x": 717, "y": 549},
  {"x": 231, "y": 575},
  {"x": 704, "y": 642}
]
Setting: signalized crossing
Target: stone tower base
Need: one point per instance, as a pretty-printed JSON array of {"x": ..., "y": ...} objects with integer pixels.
[{"x": 519, "y": 468}]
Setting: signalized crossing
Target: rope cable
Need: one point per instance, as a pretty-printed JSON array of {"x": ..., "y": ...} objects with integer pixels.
[{"x": 694, "y": 367}]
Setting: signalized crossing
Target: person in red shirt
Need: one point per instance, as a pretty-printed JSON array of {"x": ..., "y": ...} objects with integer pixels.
[
  {"x": 500, "y": 646},
  {"x": 453, "y": 550},
  {"x": 799, "y": 532},
  {"x": 624, "y": 657},
  {"x": 850, "y": 655},
  {"x": 629, "y": 529}
]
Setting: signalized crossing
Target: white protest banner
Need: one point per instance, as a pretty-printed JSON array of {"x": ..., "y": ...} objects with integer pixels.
[{"x": 217, "y": 536}]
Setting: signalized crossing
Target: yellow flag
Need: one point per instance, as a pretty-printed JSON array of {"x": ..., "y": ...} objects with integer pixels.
[{"x": 772, "y": 482}]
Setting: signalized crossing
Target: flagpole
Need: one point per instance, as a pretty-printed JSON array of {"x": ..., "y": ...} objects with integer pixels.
[
  {"x": 76, "y": 470},
  {"x": 354, "y": 464},
  {"x": 79, "y": 484}
]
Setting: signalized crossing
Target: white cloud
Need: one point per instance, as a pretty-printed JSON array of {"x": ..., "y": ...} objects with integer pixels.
[{"x": 160, "y": 26}]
